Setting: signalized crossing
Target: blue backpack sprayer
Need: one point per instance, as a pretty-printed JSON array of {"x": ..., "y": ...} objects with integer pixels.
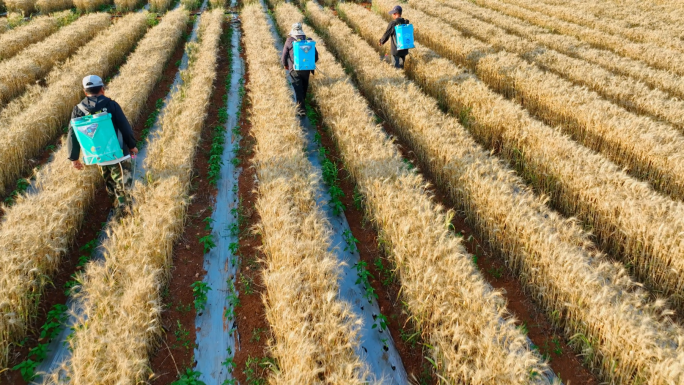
[
  {"x": 98, "y": 139},
  {"x": 304, "y": 55},
  {"x": 404, "y": 34}
]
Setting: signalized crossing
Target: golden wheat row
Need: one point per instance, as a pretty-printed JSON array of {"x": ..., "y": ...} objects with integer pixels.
[
  {"x": 121, "y": 296},
  {"x": 665, "y": 16},
  {"x": 625, "y": 336},
  {"x": 658, "y": 57},
  {"x": 126, "y": 5},
  {"x": 634, "y": 18},
  {"x": 625, "y": 214},
  {"x": 36, "y": 60},
  {"x": 635, "y": 94},
  {"x": 449, "y": 299},
  {"x": 640, "y": 29},
  {"x": 652, "y": 150},
  {"x": 31, "y": 130},
  {"x": 38, "y": 229},
  {"x": 47, "y": 6},
  {"x": 25, "y": 7},
  {"x": 19, "y": 38},
  {"x": 315, "y": 332},
  {"x": 4, "y": 25},
  {"x": 91, "y": 5},
  {"x": 159, "y": 6}
]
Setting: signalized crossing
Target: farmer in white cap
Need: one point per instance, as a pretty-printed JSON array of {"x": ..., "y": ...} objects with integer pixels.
[
  {"x": 117, "y": 173},
  {"x": 300, "y": 79},
  {"x": 390, "y": 34}
]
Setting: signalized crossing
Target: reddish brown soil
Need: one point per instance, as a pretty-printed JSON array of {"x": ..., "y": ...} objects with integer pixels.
[
  {"x": 95, "y": 218},
  {"x": 388, "y": 294},
  {"x": 527, "y": 312},
  {"x": 175, "y": 354},
  {"x": 252, "y": 327}
]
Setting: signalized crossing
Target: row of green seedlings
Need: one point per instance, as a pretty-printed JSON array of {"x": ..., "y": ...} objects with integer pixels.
[
  {"x": 199, "y": 288},
  {"x": 56, "y": 318}
]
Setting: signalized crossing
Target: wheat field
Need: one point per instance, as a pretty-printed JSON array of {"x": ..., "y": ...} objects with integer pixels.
[{"x": 521, "y": 178}]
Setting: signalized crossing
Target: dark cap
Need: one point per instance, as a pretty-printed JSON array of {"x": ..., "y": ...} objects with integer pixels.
[{"x": 396, "y": 9}]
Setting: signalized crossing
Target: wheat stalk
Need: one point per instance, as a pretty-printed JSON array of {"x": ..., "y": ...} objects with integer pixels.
[{"x": 621, "y": 334}]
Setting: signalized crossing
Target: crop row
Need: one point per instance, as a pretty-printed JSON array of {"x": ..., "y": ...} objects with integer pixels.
[
  {"x": 39, "y": 228},
  {"x": 665, "y": 16},
  {"x": 35, "y": 61},
  {"x": 316, "y": 333},
  {"x": 121, "y": 296},
  {"x": 18, "y": 38},
  {"x": 600, "y": 308},
  {"x": 659, "y": 57},
  {"x": 639, "y": 27},
  {"x": 625, "y": 214},
  {"x": 633, "y": 93},
  {"x": 448, "y": 298},
  {"x": 33, "y": 128},
  {"x": 651, "y": 150}
]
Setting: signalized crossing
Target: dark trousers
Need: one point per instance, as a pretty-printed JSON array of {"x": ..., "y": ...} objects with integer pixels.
[
  {"x": 118, "y": 180},
  {"x": 300, "y": 83},
  {"x": 399, "y": 61}
]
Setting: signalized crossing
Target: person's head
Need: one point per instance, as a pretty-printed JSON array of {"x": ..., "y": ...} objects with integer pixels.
[
  {"x": 296, "y": 30},
  {"x": 396, "y": 12},
  {"x": 93, "y": 85}
]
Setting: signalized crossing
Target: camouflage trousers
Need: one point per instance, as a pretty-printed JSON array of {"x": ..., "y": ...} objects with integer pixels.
[{"x": 118, "y": 180}]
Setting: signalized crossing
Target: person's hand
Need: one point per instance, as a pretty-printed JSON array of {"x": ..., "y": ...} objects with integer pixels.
[
  {"x": 77, "y": 164},
  {"x": 134, "y": 151},
  {"x": 379, "y": 44}
]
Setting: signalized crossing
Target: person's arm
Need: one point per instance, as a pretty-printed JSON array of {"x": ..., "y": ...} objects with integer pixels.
[
  {"x": 120, "y": 121},
  {"x": 316, "y": 55},
  {"x": 73, "y": 146},
  {"x": 286, "y": 53},
  {"x": 388, "y": 33}
]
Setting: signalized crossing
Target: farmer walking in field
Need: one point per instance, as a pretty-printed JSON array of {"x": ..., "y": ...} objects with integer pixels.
[
  {"x": 299, "y": 78},
  {"x": 100, "y": 128},
  {"x": 391, "y": 35}
]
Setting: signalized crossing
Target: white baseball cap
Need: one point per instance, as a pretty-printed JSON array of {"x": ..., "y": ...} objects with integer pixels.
[{"x": 91, "y": 81}]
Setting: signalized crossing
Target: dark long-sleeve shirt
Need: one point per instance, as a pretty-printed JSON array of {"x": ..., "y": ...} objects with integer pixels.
[
  {"x": 97, "y": 104},
  {"x": 287, "y": 58},
  {"x": 391, "y": 35}
]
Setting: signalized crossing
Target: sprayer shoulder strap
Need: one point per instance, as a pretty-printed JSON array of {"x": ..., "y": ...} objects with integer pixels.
[{"x": 83, "y": 108}]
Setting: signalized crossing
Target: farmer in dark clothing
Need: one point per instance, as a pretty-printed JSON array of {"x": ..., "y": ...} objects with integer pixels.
[
  {"x": 300, "y": 79},
  {"x": 390, "y": 34},
  {"x": 117, "y": 173}
]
